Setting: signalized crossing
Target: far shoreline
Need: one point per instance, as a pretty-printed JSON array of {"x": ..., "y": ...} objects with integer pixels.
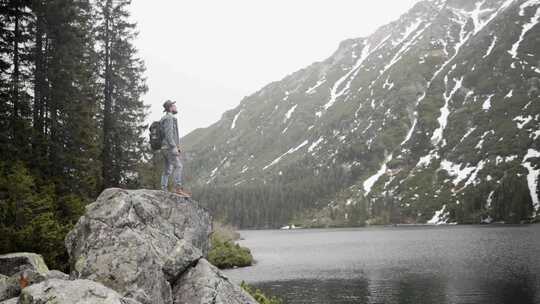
[{"x": 394, "y": 226}]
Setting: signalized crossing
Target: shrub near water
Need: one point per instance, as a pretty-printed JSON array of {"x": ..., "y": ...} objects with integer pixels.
[
  {"x": 259, "y": 296},
  {"x": 226, "y": 254}
]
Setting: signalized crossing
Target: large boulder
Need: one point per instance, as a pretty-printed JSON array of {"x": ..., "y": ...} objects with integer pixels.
[
  {"x": 10, "y": 301},
  {"x": 18, "y": 270},
  {"x": 55, "y": 291},
  {"x": 9, "y": 287},
  {"x": 138, "y": 242},
  {"x": 19, "y": 262},
  {"x": 204, "y": 284}
]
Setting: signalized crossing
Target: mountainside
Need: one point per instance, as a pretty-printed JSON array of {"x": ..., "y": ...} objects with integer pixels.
[{"x": 433, "y": 118}]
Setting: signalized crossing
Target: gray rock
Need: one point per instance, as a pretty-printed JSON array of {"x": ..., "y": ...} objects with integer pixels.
[
  {"x": 126, "y": 237},
  {"x": 55, "y": 274},
  {"x": 205, "y": 284},
  {"x": 20, "y": 268},
  {"x": 9, "y": 287},
  {"x": 15, "y": 263},
  {"x": 10, "y": 301},
  {"x": 180, "y": 259},
  {"x": 56, "y": 291}
]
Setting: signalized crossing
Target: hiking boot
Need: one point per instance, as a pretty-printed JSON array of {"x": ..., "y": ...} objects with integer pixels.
[{"x": 183, "y": 193}]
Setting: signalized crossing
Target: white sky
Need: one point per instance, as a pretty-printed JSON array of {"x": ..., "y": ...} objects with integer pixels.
[{"x": 209, "y": 54}]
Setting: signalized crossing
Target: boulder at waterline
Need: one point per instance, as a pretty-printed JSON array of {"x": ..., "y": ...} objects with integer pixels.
[
  {"x": 126, "y": 237},
  {"x": 204, "y": 284}
]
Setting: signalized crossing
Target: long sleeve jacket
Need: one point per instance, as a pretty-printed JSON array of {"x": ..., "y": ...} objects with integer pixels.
[{"x": 169, "y": 129}]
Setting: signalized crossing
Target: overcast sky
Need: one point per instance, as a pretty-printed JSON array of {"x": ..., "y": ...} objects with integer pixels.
[{"x": 209, "y": 54}]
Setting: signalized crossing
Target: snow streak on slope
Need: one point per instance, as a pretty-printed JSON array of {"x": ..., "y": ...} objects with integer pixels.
[
  {"x": 213, "y": 173},
  {"x": 334, "y": 94},
  {"x": 315, "y": 144},
  {"x": 464, "y": 36},
  {"x": 491, "y": 46},
  {"x": 406, "y": 43},
  {"x": 526, "y": 28},
  {"x": 413, "y": 126},
  {"x": 443, "y": 119},
  {"x": 292, "y": 150},
  {"x": 487, "y": 104},
  {"x": 456, "y": 171},
  {"x": 289, "y": 113},
  {"x": 314, "y": 88},
  {"x": 233, "y": 125},
  {"x": 532, "y": 177},
  {"x": 368, "y": 184},
  {"x": 440, "y": 217}
]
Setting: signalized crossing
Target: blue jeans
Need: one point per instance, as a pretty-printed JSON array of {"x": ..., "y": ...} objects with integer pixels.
[{"x": 173, "y": 166}]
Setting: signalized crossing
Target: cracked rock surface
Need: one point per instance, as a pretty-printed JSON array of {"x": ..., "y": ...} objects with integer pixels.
[
  {"x": 140, "y": 243},
  {"x": 204, "y": 284},
  {"x": 56, "y": 291}
]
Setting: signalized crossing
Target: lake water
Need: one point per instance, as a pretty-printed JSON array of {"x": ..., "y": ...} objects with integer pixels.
[{"x": 416, "y": 265}]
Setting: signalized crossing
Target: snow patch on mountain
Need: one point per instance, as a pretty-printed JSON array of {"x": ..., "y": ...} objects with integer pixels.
[
  {"x": 532, "y": 177},
  {"x": 289, "y": 113},
  {"x": 313, "y": 89},
  {"x": 440, "y": 217},
  {"x": 368, "y": 183},
  {"x": 445, "y": 112},
  {"x": 233, "y": 125},
  {"x": 315, "y": 144},
  {"x": 456, "y": 171},
  {"x": 521, "y": 121},
  {"x": 290, "y": 151},
  {"x": 487, "y": 104},
  {"x": 526, "y": 28},
  {"x": 213, "y": 173},
  {"x": 491, "y": 47}
]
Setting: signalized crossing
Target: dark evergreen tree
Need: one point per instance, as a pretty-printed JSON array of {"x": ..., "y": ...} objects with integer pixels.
[
  {"x": 15, "y": 77},
  {"x": 123, "y": 86},
  {"x": 51, "y": 111}
]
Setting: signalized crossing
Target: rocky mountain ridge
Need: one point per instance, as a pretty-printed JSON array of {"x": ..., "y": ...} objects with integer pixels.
[{"x": 434, "y": 118}]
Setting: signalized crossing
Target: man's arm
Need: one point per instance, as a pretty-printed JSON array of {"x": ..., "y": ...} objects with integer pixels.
[{"x": 168, "y": 135}]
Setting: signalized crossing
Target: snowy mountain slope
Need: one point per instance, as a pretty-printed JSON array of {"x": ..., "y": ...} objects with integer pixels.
[{"x": 436, "y": 113}]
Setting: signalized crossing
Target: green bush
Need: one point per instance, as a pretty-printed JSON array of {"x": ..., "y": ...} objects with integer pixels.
[
  {"x": 259, "y": 296},
  {"x": 226, "y": 254},
  {"x": 30, "y": 219}
]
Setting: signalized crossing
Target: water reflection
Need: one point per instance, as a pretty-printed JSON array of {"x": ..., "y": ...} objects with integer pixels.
[
  {"x": 420, "y": 265},
  {"x": 408, "y": 289}
]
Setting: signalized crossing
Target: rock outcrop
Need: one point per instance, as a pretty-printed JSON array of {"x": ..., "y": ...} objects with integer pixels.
[
  {"x": 130, "y": 247},
  {"x": 16, "y": 263},
  {"x": 55, "y": 291},
  {"x": 204, "y": 283},
  {"x": 149, "y": 246},
  {"x": 19, "y": 270},
  {"x": 9, "y": 287}
]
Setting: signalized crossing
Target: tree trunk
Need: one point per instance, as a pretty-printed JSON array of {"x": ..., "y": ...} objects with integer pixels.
[
  {"x": 15, "y": 78},
  {"x": 107, "y": 110}
]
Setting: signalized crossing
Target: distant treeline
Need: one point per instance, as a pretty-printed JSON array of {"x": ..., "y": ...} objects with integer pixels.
[
  {"x": 71, "y": 115},
  {"x": 279, "y": 201}
]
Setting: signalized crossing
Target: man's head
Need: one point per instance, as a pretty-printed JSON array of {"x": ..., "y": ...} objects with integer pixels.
[{"x": 170, "y": 106}]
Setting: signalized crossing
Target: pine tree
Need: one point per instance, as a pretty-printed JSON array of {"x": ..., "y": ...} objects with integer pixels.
[
  {"x": 66, "y": 96},
  {"x": 15, "y": 77},
  {"x": 52, "y": 107},
  {"x": 123, "y": 87}
]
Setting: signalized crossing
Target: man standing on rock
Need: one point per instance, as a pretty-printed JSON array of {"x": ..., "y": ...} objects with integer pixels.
[{"x": 171, "y": 150}]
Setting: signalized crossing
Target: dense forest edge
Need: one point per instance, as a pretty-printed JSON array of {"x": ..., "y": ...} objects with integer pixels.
[{"x": 71, "y": 116}]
